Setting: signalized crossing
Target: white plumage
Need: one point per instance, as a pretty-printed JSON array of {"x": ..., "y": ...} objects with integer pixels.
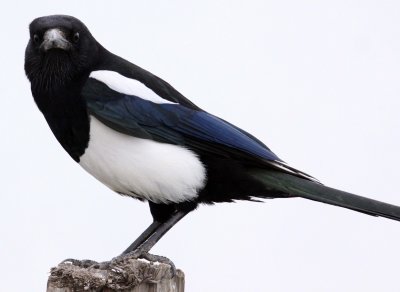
[
  {"x": 142, "y": 168},
  {"x": 125, "y": 85}
]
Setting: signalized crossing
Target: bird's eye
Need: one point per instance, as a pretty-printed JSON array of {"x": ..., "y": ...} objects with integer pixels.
[
  {"x": 36, "y": 38},
  {"x": 75, "y": 38}
]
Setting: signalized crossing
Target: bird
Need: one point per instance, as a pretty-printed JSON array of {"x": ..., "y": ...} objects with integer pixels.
[{"x": 142, "y": 138}]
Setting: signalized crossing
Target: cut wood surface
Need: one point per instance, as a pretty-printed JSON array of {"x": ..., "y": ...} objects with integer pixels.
[{"x": 131, "y": 275}]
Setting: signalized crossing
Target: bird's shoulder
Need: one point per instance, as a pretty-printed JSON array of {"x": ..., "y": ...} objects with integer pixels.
[{"x": 122, "y": 72}]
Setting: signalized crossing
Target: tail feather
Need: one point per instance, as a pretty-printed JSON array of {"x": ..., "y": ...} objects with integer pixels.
[{"x": 299, "y": 187}]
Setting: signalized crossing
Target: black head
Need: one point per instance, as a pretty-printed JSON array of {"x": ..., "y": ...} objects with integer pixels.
[{"x": 60, "y": 50}]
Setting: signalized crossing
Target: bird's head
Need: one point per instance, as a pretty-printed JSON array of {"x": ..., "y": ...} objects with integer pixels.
[{"x": 60, "y": 49}]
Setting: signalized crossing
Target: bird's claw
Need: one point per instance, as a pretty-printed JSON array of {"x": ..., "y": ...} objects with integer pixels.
[
  {"x": 80, "y": 263},
  {"x": 161, "y": 259},
  {"x": 137, "y": 254}
]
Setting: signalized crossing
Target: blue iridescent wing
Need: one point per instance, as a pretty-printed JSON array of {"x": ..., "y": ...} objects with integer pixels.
[{"x": 172, "y": 123}]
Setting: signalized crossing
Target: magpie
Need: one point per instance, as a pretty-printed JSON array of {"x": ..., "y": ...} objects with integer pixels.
[{"x": 140, "y": 137}]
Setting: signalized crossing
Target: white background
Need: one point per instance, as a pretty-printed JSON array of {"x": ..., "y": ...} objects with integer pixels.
[{"x": 317, "y": 81}]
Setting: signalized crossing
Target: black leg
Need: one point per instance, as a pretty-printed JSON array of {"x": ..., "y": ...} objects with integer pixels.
[
  {"x": 165, "y": 217},
  {"x": 143, "y": 237},
  {"x": 154, "y": 233}
]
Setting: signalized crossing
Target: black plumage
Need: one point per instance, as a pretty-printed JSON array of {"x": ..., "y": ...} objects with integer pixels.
[{"x": 60, "y": 57}]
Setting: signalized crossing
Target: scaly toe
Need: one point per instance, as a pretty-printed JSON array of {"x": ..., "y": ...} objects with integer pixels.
[
  {"x": 80, "y": 263},
  {"x": 138, "y": 254},
  {"x": 161, "y": 259}
]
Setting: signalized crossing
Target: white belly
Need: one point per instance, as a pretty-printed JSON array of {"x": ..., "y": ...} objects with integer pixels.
[{"x": 142, "y": 168}]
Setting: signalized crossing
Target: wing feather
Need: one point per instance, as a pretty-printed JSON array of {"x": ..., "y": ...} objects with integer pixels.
[{"x": 177, "y": 124}]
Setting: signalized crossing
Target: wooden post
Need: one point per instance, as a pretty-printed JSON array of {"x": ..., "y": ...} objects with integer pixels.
[{"x": 132, "y": 275}]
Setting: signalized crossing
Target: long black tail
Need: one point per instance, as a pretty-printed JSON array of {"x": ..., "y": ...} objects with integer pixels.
[{"x": 299, "y": 187}]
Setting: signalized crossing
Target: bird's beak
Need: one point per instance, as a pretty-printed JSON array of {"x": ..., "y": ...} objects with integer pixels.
[{"x": 54, "y": 39}]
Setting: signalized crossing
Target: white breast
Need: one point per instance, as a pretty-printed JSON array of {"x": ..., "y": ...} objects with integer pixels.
[{"x": 143, "y": 168}]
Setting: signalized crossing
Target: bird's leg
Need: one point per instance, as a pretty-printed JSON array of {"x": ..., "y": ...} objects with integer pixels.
[
  {"x": 165, "y": 216},
  {"x": 140, "y": 247},
  {"x": 154, "y": 233},
  {"x": 143, "y": 237}
]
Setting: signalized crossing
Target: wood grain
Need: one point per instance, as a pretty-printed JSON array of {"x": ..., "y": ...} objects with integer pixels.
[{"x": 131, "y": 275}]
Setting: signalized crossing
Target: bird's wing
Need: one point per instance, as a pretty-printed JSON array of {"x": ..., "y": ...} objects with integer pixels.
[{"x": 129, "y": 107}]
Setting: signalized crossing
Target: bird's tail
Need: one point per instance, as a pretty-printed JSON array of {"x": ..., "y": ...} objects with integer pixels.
[{"x": 299, "y": 187}]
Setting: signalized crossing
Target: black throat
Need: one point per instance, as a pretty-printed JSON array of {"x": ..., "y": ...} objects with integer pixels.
[{"x": 65, "y": 112}]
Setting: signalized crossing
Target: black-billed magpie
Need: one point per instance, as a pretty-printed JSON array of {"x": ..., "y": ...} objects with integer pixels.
[{"x": 139, "y": 136}]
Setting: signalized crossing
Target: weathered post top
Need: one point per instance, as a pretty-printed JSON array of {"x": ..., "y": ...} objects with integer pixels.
[{"x": 132, "y": 275}]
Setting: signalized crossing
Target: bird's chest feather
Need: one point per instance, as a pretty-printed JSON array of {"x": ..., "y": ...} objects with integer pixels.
[
  {"x": 142, "y": 168},
  {"x": 66, "y": 115}
]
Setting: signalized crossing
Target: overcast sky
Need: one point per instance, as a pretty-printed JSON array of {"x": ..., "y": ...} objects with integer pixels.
[{"x": 317, "y": 81}]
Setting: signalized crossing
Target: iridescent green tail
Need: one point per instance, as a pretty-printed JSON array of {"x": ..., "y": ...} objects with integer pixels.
[{"x": 299, "y": 187}]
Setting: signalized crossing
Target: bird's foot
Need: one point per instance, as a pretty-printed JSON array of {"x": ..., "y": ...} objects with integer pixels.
[
  {"x": 80, "y": 263},
  {"x": 137, "y": 254},
  {"x": 89, "y": 264},
  {"x": 161, "y": 259}
]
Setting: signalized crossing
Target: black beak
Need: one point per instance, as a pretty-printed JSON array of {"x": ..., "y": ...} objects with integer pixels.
[{"x": 54, "y": 39}]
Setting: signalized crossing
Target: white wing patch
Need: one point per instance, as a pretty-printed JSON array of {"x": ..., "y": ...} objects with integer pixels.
[
  {"x": 142, "y": 168},
  {"x": 126, "y": 85}
]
